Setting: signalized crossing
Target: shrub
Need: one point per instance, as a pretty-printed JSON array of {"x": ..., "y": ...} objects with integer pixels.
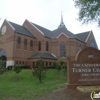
[
  {"x": 65, "y": 68},
  {"x": 17, "y": 69},
  {"x": 9, "y": 67},
  {"x": 54, "y": 65},
  {"x": 1, "y": 71},
  {"x": 58, "y": 67},
  {"x": 61, "y": 63},
  {"x": 49, "y": 67},
  {"x": 39, "y": 71},
  {"x": 25, "y": 66}
]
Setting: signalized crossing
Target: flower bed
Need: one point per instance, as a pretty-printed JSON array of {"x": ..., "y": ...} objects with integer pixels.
[{"x": 85, "y": 89}]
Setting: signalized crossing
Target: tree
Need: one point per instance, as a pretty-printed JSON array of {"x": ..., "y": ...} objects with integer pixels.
[
  {"x": 17, "y": 69},
  {"x": 89, "y": 10},
  {"x": 39, "y": 71},
  {"x": 61, "y": 63},
  {"x": 54, "y": 65},
  {"x": 65, "y": 68}
]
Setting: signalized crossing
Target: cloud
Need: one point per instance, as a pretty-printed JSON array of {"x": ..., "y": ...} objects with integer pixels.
[{"x": 46, "y": 13}]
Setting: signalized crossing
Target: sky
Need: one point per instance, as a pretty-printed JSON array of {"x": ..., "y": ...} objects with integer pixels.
[{"x": 46, "y": 13}]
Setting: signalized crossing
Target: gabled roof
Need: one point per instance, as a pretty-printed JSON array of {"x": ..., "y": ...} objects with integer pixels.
[
  {"x": 45, "y": 55},
  {"x": 56, "y": 33},
  {"x": 21, "y": 29},
  {"x": 83, "y": 36},
  {"x": 47, "y": 33},
  {"x": 64, "y": 30},
  {"x": 51, "y": 34}
]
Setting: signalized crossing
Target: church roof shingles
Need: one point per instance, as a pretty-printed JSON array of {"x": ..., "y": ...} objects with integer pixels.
[
  {"x": 22, "y": 30},
  {"x": 55, "y": 33},
  {"x": 45, "y": 55},
  {"x": 83, "y": 36},
  {"x": 47, "y": 33},
  {"x": 51, "y": 34}
]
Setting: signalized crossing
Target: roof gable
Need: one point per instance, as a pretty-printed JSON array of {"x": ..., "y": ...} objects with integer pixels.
[
  {"x": 45, "y": 55},
  {"x": 44, "y": 31},
  {"x": 64, "y": 30},
  {"x": 21, "y": 29},
  {"x": 83, "y": 36},
  {"x": 62, "y": 34}
]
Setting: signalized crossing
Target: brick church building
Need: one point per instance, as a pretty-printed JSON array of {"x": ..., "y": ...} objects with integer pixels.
[{"x": 25, "y": 44}]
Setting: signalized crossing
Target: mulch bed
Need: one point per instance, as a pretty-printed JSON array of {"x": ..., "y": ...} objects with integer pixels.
[{"x": 86, "y": 89}]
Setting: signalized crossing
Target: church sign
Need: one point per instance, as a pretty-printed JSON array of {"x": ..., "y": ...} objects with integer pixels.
[{"x": 85, "y": 70}]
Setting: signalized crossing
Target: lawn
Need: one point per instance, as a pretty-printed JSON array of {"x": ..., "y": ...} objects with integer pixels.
[{"x": 28, "y": 87}]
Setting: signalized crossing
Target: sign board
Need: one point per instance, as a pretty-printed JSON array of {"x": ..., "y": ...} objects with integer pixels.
[{"x": 85, "y": 70}]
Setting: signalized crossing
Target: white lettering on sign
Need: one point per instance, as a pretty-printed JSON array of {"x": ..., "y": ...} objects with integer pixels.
[
  {"x": 86, "y": 65},
  {"x": 90, "y": 56},
  {"x": 77, "y": 65},
  {"x": 89, "y": 72},
  {"x": 89, "y": 80},
  {"x": 92, "y": 74},
  {"x": 81, "y": 70},
  {"x": 96, "y": 69}
]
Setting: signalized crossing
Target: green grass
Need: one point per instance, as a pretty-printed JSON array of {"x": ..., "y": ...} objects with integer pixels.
[{"x": 28, "y": 87}]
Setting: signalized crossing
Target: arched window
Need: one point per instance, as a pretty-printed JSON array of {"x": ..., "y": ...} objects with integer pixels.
[
  {"x": 19, "y": 40},
  {"x": 62, "y": 49},
  {"x": 80, "y": 47},
  {"x": 39, "y": 45},
  {"x": 92, "y": 43},
  {"x": 47, "y": 46},
  {"x": 31, "y": 43},
  {"x": 25, "y": 42}
]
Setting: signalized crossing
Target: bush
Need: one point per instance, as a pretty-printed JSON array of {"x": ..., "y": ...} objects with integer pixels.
[
  {"x": 25, "y": 66},
  {"x": 1, "y": 71},
  {"x": 54, "y": 65},
  {"x": 61, "y": 63},
  {"x": 58, "y": 67},
  {"x": 39, "y": 71},
  {"x": 17, "y": 69},
  {"x": 65, "y": 68},
  {"x": 49, "y": 67},
  {"x": 9, "y": 67}
]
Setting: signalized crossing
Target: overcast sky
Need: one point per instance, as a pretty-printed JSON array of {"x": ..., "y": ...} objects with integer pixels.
[{"x": 46, "y": 13}]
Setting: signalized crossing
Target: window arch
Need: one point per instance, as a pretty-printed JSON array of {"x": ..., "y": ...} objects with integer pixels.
[
  {"x": 31, "y": 43},
  {"x": 39, "y": 45},
  {"x": 80, "y": 47},
  {"x": 47, "y": 46},
  {"x": 19, "y": 40},
  {"x": 25, "y": 42},
  {"x": 92, "y": 43},
  {"x": 62, "y": 49}
]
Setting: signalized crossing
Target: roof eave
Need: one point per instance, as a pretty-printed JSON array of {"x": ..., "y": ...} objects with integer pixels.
[
  {"x": 10, "y": 24},
  {"x": 80, "y": 40},
  {"x": 35, "y": 27},
  {"x": 29, "y": 31},
  {"x": 88, "y": 36},
  {"x": 24, "y": 34}
]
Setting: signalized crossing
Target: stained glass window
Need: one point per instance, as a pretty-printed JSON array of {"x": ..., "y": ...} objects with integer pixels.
[{"x": 62, "y": 49}]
